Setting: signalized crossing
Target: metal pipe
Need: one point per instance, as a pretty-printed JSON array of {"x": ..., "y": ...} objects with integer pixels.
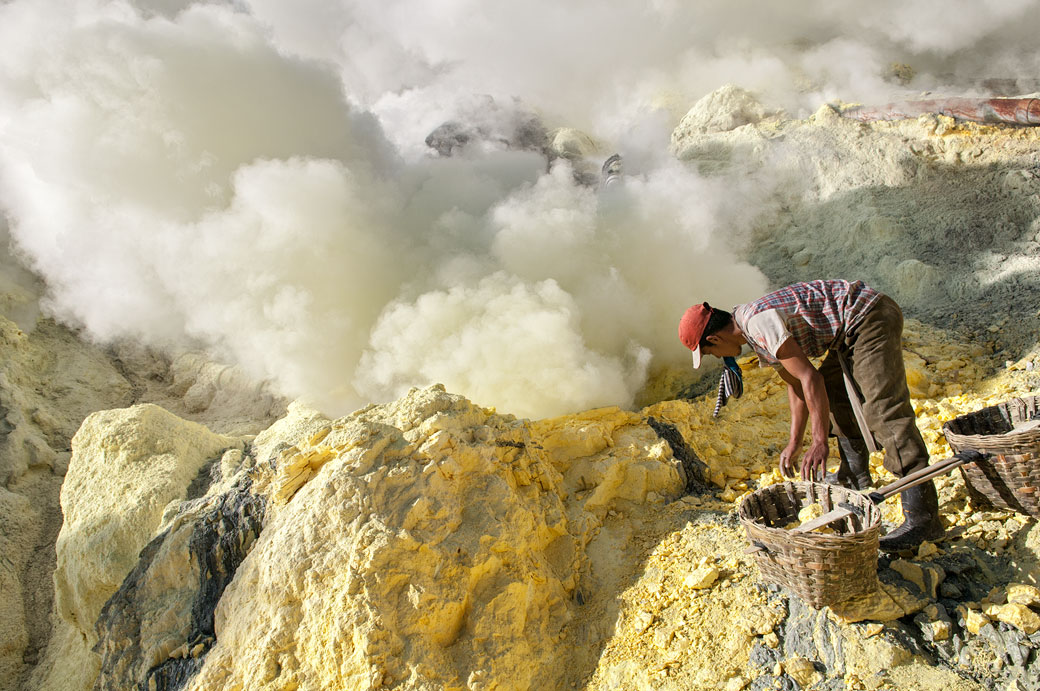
[{"x": 1012, "y": 111}]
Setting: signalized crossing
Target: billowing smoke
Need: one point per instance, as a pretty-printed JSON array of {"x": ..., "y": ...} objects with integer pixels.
[
  {"x": 254, "y": 176},
  {"x": 599, "y": 67}
]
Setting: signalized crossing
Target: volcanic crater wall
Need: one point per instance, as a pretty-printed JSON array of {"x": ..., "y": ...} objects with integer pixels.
[{"x": 432, "y": 543}]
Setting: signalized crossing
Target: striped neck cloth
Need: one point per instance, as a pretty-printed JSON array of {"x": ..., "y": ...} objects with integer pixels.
[{"x": 731, "y": 383}]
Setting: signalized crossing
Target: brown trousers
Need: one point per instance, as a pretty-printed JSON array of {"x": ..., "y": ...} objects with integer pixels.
[{"x": 873, "y": 350}]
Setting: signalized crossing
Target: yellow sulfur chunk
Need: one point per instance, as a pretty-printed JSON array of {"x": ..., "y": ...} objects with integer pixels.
[{"x": 808, "y": 513}]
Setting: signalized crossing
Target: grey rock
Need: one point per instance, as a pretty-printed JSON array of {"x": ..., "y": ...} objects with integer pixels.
[
  {"x": 1018, "y": 654},
  {"x": 996, "y": 640},
  {"x": 768, "y": 682},
  {"x": 964, "y": 658},
  {"x": 811, "y": 634},
  {"x": 696, "y": 470},
  {"x": 486, "y": 122},
  {"x": 949, "y": 589},
  {"x": 763, "y": 657},
  {"x": 223, "y": 529},
  {"x": 834, "y": 684},
  {"x": 450, "y": 137}
]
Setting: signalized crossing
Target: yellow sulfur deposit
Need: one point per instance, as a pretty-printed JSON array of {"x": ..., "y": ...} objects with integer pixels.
[
  {"x": 429, "y": 543},
  {"x": 808, "y": 513},
  {"x": 885, "y": 603},
  {"x": 1017, "y": 615},
  {"x": 434, "y": 539},
  {"x": 1023, "y": 594},
  {"x": 974, "y": 620},
  {"x": 802, "y": 671}
]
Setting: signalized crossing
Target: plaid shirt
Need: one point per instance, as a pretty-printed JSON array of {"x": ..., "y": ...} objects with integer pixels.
[{"x": 817, "y": 313}]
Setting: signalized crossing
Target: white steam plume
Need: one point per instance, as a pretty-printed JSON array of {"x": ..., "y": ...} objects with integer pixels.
[
  {"x": 252, "y": 175},
  {"x": 588, "y": 62}
]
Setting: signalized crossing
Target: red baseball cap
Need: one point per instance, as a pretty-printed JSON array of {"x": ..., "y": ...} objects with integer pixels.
[{"x": 691, "y": 329}]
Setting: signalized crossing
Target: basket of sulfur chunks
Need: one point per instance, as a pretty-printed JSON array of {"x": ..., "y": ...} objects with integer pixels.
[{"x": 823, "y": 566}]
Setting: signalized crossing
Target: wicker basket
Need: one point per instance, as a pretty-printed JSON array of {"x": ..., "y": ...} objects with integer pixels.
[
  {"x": 819, "y": 568},
  {"x": 1010, "y": 477}
]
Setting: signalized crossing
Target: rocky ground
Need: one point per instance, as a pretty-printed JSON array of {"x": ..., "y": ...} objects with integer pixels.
[
  {"x": 50, "y": 381},
  {"x": 430, "y": 543},
  {"x": 434, "y": 544}
]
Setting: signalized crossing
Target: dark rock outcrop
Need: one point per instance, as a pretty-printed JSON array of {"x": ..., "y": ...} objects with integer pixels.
[{"x": 218, "y": 533}]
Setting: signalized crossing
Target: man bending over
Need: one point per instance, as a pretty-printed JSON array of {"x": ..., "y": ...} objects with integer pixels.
[{"x": 859, "y": 390}]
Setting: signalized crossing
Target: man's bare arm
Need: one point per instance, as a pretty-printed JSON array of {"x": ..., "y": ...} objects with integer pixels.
[
  {"x": 799, "y": 415},
  {"x": 795, "y": 364}
]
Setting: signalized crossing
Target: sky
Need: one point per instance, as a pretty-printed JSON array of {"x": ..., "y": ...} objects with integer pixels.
[{"x": 253, "y": 178}]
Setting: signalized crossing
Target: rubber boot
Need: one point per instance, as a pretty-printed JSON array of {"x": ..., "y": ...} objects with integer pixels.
[
  {"x": 854, "y": 470},
  {"x": 920, "y": 520}
]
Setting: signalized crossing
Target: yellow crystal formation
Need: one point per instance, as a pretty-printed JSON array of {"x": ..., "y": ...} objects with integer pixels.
[{"x": 432, "y": 539}]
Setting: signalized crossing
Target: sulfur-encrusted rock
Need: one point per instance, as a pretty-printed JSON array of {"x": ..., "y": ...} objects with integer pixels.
[
  {"x": 1023, "y": 594},
  {"x": 723, "y": 110},
  {"x": 426, "y": 540},
  {"x": 127, "y": 467},
  {"x": 15, "y": 545},
  {"x": 927, "y": 549},
  {"x": 1019, "y": 616},
  {"x": 737, "y": 683},
  {"x": 926, "y": 577},
  {"x": 935, "y": 623},
  {"x": 974, "y": 620},
  {"x": 703, "y": 576},
  {"x": 873, "y": 628},
  {"x": 887, "y": 603},
  {"x": 49, "y": 381},
  {"x": 937, "y": 630},
  {"x": 869, "y": 656},
  {"x": 996, "y": 596},
  {"x": 802, "y": 671}
]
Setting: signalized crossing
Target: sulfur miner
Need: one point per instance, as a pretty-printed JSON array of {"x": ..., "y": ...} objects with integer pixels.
[{"x": 859, "y": 390}]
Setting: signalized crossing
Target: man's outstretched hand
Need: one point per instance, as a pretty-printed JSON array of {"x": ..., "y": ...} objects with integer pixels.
[
  {"x": 814, "y": 463},
  {"x": 786, "y": 464}
]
